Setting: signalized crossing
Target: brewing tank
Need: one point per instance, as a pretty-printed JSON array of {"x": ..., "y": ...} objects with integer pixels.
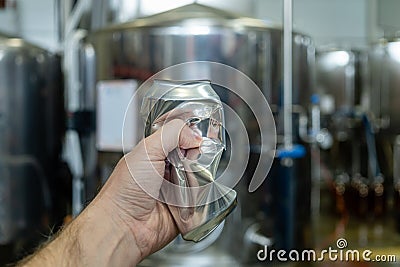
[
  {"x": 139, "y": 49},
  {"x": 384, "y": 92},
  {"x": 384, "y": 61},
  {"x": 340, "y": 75},
  {"x": 341, "y": 89},
  {"x": 31, "y": 126}
]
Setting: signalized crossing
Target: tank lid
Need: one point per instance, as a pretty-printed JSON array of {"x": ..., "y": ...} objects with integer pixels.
[
  {"x": 195, "y": 13},
  {"x": 9, "y": 41}
]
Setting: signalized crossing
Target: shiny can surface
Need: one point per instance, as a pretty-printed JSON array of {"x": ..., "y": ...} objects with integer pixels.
[{"x": 195, "y": 170}]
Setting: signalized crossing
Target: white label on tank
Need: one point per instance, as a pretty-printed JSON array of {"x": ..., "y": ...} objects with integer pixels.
[{"x": 113, "y": 99}]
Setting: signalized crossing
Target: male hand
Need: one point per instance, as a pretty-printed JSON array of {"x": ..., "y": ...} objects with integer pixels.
[
  {"x": 149, "y": 220},
  {"x": 123, "y": 224}
]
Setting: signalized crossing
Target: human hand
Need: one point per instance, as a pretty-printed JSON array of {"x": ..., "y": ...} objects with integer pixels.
[
  {"x": 123, "y": 224},
  {"x": 149, "y": 220}
]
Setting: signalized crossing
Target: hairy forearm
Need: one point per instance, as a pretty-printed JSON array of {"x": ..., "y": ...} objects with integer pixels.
[
  {"x": 63, "y": 250},
  {"x": 92, "y": 239}
]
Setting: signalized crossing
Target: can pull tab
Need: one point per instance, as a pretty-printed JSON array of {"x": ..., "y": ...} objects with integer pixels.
[{"x": 193, "y": 121}]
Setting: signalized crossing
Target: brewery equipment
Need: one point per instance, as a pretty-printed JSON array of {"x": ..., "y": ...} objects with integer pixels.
[
  {"x": 31, "y": 130},
  {"x": 342, "y": 82},
  {"x": 384, "y": 59},
  {"x": 384, "y": 63},
  {"x": 132, "y": 52},
  {"x": 355, "y": 166}
]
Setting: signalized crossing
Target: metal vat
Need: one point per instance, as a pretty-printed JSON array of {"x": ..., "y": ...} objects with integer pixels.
[
  {"x": 194, "y": 32},
  {"x": 342, "y": 83},
  {"x": 384, "y": 109},
  {"x": 341, "y": 74},
  {"x": 384, "y": 61},
  {"x": 31, "y": 127}
]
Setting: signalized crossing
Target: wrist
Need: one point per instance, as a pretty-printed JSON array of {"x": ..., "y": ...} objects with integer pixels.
[{"x": 103, "y": 239}]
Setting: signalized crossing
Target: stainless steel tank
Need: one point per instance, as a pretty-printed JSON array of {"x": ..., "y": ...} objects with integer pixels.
[
  {"x": 341, "y": 89},
  {"x": 138, "y": 49},
  {"x": 383, "y": 107},
  {"x": 384, "y": 61},
  {"x": 341, "y": 86},
  {"x": 341, "y": 76},
  {"x": 31, "y": 126}
]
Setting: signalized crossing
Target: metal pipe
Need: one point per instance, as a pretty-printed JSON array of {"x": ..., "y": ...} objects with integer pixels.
[
  {"x": 287, "y": 73},
  {"x": 59, "y": 20},
  {"x": 349, "y": 83},
  {"x": 73, "y": 20},
  {"x": 396, "y": 161},
  {"x": 17, "y": 19},
  {"x": 315, "y": 165},
  {"x": 72, "y": 151}
]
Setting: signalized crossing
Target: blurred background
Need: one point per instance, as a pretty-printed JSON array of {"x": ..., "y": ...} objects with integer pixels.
[{"x": 330, "y": 70}]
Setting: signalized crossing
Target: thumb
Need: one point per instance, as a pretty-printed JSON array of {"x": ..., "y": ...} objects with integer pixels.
[{"x": 170, "y": 136}]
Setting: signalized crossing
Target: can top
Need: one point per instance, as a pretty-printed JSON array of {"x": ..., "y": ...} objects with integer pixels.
[{"x": 182, "y": 90}]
